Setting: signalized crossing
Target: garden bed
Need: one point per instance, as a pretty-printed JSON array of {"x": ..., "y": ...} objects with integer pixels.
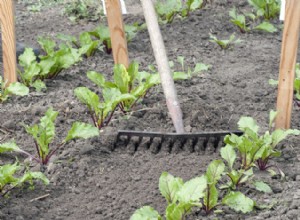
[{"x": 89, "y": 181}]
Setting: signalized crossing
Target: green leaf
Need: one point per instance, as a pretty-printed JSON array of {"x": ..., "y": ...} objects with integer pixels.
[
  {"x": 180, "y": 76},
  {"x": 214, "y": 171},
  {"x": 27, "y": 58},
  {"x": 273, "y": 82},
  {"x": 229, "y": 155},
  {"x": 47, "y": 44},
  {"x": 248, "y": 123},
  {"x": 7, "y": 172},
  {"x": 239, "y": 202},
  {"x": 81, "y": 130},
  {"x": 176, "y": 212},
  {"x": 96, "y": 78},
  {"x": 29, "y": 176},
  {"x": 192, "y": 190},
  {"x": 87, "y": 97},
  {"x": 146, "y": 213},
  {"x": 196, "y": 4},
  {"x": 212, "y": 200},
  {"x": 169, "y": 186},
  {"x": 266, "y": 26},
  {"x": 39, "y": 85},
  {"x": 200, "y": 67},
  {"x": 279, "y": 135},
  {"x": 8, "y": 147},
  {"x": 272, "y": 117},
  {"x": 262, "y": 187},
  {"x": 121, "y": 78},
  {"x": 17, "y": 88}
]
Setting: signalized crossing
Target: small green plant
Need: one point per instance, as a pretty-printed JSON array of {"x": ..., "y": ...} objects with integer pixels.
[
  {"x": 225, "y": 44},
  {"x": 11, "y": 177},
  {"x": 267, "y": 8},
  {"x": 44, "y": 134},
  {"x": 168, "y": 9},
  {"x": 181, "y": 197},
  {"x": 102, "y": 33},
  {"x": 86, "y": 45},
  {"x": 213, "y": 174},
  {"x": 90, "y": 10},
  {"x": 240, "y": 20},
  {"x": 101, "y": 111},
  {"x": 255, "y": 149},
  {"x": 13, "y": 89},
  {"x": 48, "y": 66},
  {"x": 186, "y": 72},
  {"x": 238, "y": 176},
  {"x": 130, "y": 82}
]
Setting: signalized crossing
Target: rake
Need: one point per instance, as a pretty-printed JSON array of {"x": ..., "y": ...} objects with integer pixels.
[{"x": 169, "y": 142}]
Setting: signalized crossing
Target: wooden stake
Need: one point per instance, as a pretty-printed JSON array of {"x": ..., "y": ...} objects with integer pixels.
[
  {"x": 7, "y": 20},
  {"x": 117, "y": 33},
  {"x": 287, "y": 64}
]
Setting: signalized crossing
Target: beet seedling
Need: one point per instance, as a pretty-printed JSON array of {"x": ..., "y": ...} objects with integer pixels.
[
  {"x": 48, "y": 66},
  {"x": 15, "y": 88},
  {"x": 168, "y": 9},
  {"x": 240, "y": 20},
  {"x": 43, "y": 135},
  {"x": 10, "y": 178},
  {"x": 181, "y": 197},
  {"x": 186, "y": 72},
  {"x": 86, "y": 45},
  {"x": 129, "y": 82},
  {"x": 256, "y": 149},
  {"x": 101, "y": 112},
  {"x": 235, "y": 177},
  {"x": 213, "y": 174},
  {"x": 225, "y": 44},
  {"x": 103, "y": 34},
  {"x": 266, "y": 8}
]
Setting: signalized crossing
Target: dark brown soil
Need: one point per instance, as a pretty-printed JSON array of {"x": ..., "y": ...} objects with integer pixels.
[{"x": 89, "y": 181}]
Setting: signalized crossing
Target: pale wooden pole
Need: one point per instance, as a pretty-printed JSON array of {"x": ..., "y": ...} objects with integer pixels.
[
  {"x": 163, "y": 65},
  {"x": 7, "y": 20},
  {"x": 289, "y": 48},
  {"x": 117, "y": 33}
]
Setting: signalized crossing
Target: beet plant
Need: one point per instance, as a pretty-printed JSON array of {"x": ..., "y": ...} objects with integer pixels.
[
  {"x": 267, "y": 8},
  {"x": 255, "y": 149},
  {"x": 15, "y": 88},
  {"x": 43, "y": 135},
  {"x": 12, "y": 177},
  {"x": 213, "y": 174},
  {"x": 86, "y": 45},
  {"x": 101, "y": 111},
  {"x": 167, "y": 10},
  {"x": 130, "y": 82},
  {"x": 249, "y": 21},
  {"x": 181, "y": 197},
  {"x": 225, "y": 44},
  {"x": 102, "y": 33},
  {"x": 186, "y": 72},
  {"x": 36, "y": 69},
  {"x": 237, "y": 175}
]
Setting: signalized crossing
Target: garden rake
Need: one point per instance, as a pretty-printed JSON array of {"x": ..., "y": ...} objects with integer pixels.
[{"x": 170, "y": 142}]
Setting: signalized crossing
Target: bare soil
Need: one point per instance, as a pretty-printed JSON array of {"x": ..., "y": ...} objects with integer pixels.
[{"x": 89, "y": 181}]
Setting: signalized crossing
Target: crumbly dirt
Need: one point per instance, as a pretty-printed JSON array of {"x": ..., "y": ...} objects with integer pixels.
[{"x": 89, "y": 181}]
